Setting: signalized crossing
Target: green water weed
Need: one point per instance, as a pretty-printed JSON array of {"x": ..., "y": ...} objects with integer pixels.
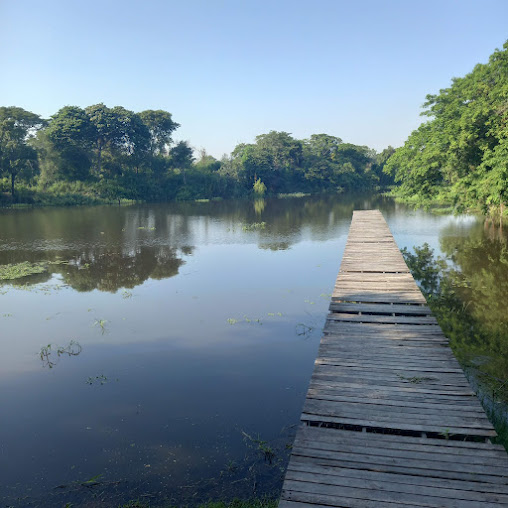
[
  {"x": 101, "y": 379},
  {"x": 101, "y": 323},
  {"x": 46, "y": 354},
  {"x": 255, "y": 226},
  {"x": 19, "y": 270}
]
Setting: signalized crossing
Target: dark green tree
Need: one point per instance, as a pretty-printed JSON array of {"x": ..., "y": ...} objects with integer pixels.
[
  {"x": 71, "y": 135},
  {"x": 17, "y": 157},
  {"x": 321, "y": 158},
  {"x": 107, "y": 130},
  {"x": 161, "y": 126},
  {"x": 181, "y": 158},
  {"x": 272, "y": 158},
  {"x": 122, "y": 133},
  {"x": 207, "y": 163}
]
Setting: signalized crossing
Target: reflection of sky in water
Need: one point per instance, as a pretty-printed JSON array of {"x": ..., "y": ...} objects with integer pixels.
[{"x": 180, "y": 384}]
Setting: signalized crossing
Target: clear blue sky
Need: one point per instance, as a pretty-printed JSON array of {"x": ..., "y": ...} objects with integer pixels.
[{"x": 230, "y": 70}]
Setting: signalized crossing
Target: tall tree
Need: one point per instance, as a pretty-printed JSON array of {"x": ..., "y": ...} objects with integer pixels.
[
  {"x": 161, "y": 126},
  {"x": 207, "y": 163},
  {"x": 380, "y": 162},
  {"x": 107, "y": 129},
  {"x": 121, "y": 132},
  {"x": 321, "y": 158},
  {"x": 323, "y": 146},
  {"x": 273, "y": 157},
  {"x": 17, "y": 126},
  {"x": 182, "y": 157},
  {"x": 71, "y": 135},
  {"x": 133, "y": 138}
]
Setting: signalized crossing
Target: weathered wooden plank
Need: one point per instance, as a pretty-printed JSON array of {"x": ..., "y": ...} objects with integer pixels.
[
  {"x": 382, "y": 358},
  {"x": 445, "y": 495},
  {"x": 385, "y": 356},
  {"x": 441, "y": 417},
  {"x": 448, "y": 446},
  {"x": 396, "y": 395},
  {"x": 370, "y": 318},
  {"x": 405, "y": 310},
  {"x": 470, "y": 490},
  {"x": 400, "y": 377},
  {"x": 403, "y": 330},
  {"x": 360, "y": 384},
  {"x": 325, "y": 492},
  {"x": 299, "y": 504},
  {"x": 393, "y": 297},
  {"x": 404, "y": 340},
  {"x": 321, "y": 475},
  {"x": 389, "y": 405},
  {"x": 403, "y": 364},
  {"x": 398, "y": 425},
  {"x": 404, "y": 469},
  {"x": 346, "y": 343},
  {"x": 432, "y": 467},
  {"x": 491, "y": 458},
  {"x": 387, "y": 330},
  {"x": 344, "y": 413}
]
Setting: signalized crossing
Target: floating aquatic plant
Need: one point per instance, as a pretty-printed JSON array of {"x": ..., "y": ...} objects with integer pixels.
[
  {"x": 102, "y": 379},
  {"x": 101, "y": 323},
  {"x": 19, "y": 270},
  {"x": 254, "y": 226},
  {"x": 47, "y": 353},
  {"x": 303, "y": 329}
]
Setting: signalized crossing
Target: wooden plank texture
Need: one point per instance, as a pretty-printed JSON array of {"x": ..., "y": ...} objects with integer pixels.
[{"x": 389, "y": 419}]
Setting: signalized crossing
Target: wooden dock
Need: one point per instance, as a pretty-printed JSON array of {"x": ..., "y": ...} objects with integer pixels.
[{"x": 389, "y": 419}]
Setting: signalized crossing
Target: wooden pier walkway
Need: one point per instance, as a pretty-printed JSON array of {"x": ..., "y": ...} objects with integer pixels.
[{"x": 389, "y": 419}]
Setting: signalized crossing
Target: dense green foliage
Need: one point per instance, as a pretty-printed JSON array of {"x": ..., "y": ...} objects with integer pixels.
[
  {"x": 460, "y": 155},
  {"x": 321, "y": 163},
  {"x": 100, "y": 154}
]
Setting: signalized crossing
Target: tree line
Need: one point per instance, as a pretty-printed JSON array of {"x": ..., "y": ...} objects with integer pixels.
[
  {"x": 106, "y": 153},
  {"x": 459, "y": 156}
]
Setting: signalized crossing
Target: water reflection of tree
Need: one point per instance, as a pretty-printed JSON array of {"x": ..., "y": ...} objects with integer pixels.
[
  {"x": 481, "y": 275},
  {"x": 109, "y": 271},
  {"x": 259, "y": 205},
  {"x": 470, "y": 297},
  {"x": 106, "y": 248},
  {"x": 275, "y": 246}
]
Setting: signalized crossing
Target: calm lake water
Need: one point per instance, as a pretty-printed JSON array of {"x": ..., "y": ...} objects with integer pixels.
[{"x": 166, "y": 353}]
